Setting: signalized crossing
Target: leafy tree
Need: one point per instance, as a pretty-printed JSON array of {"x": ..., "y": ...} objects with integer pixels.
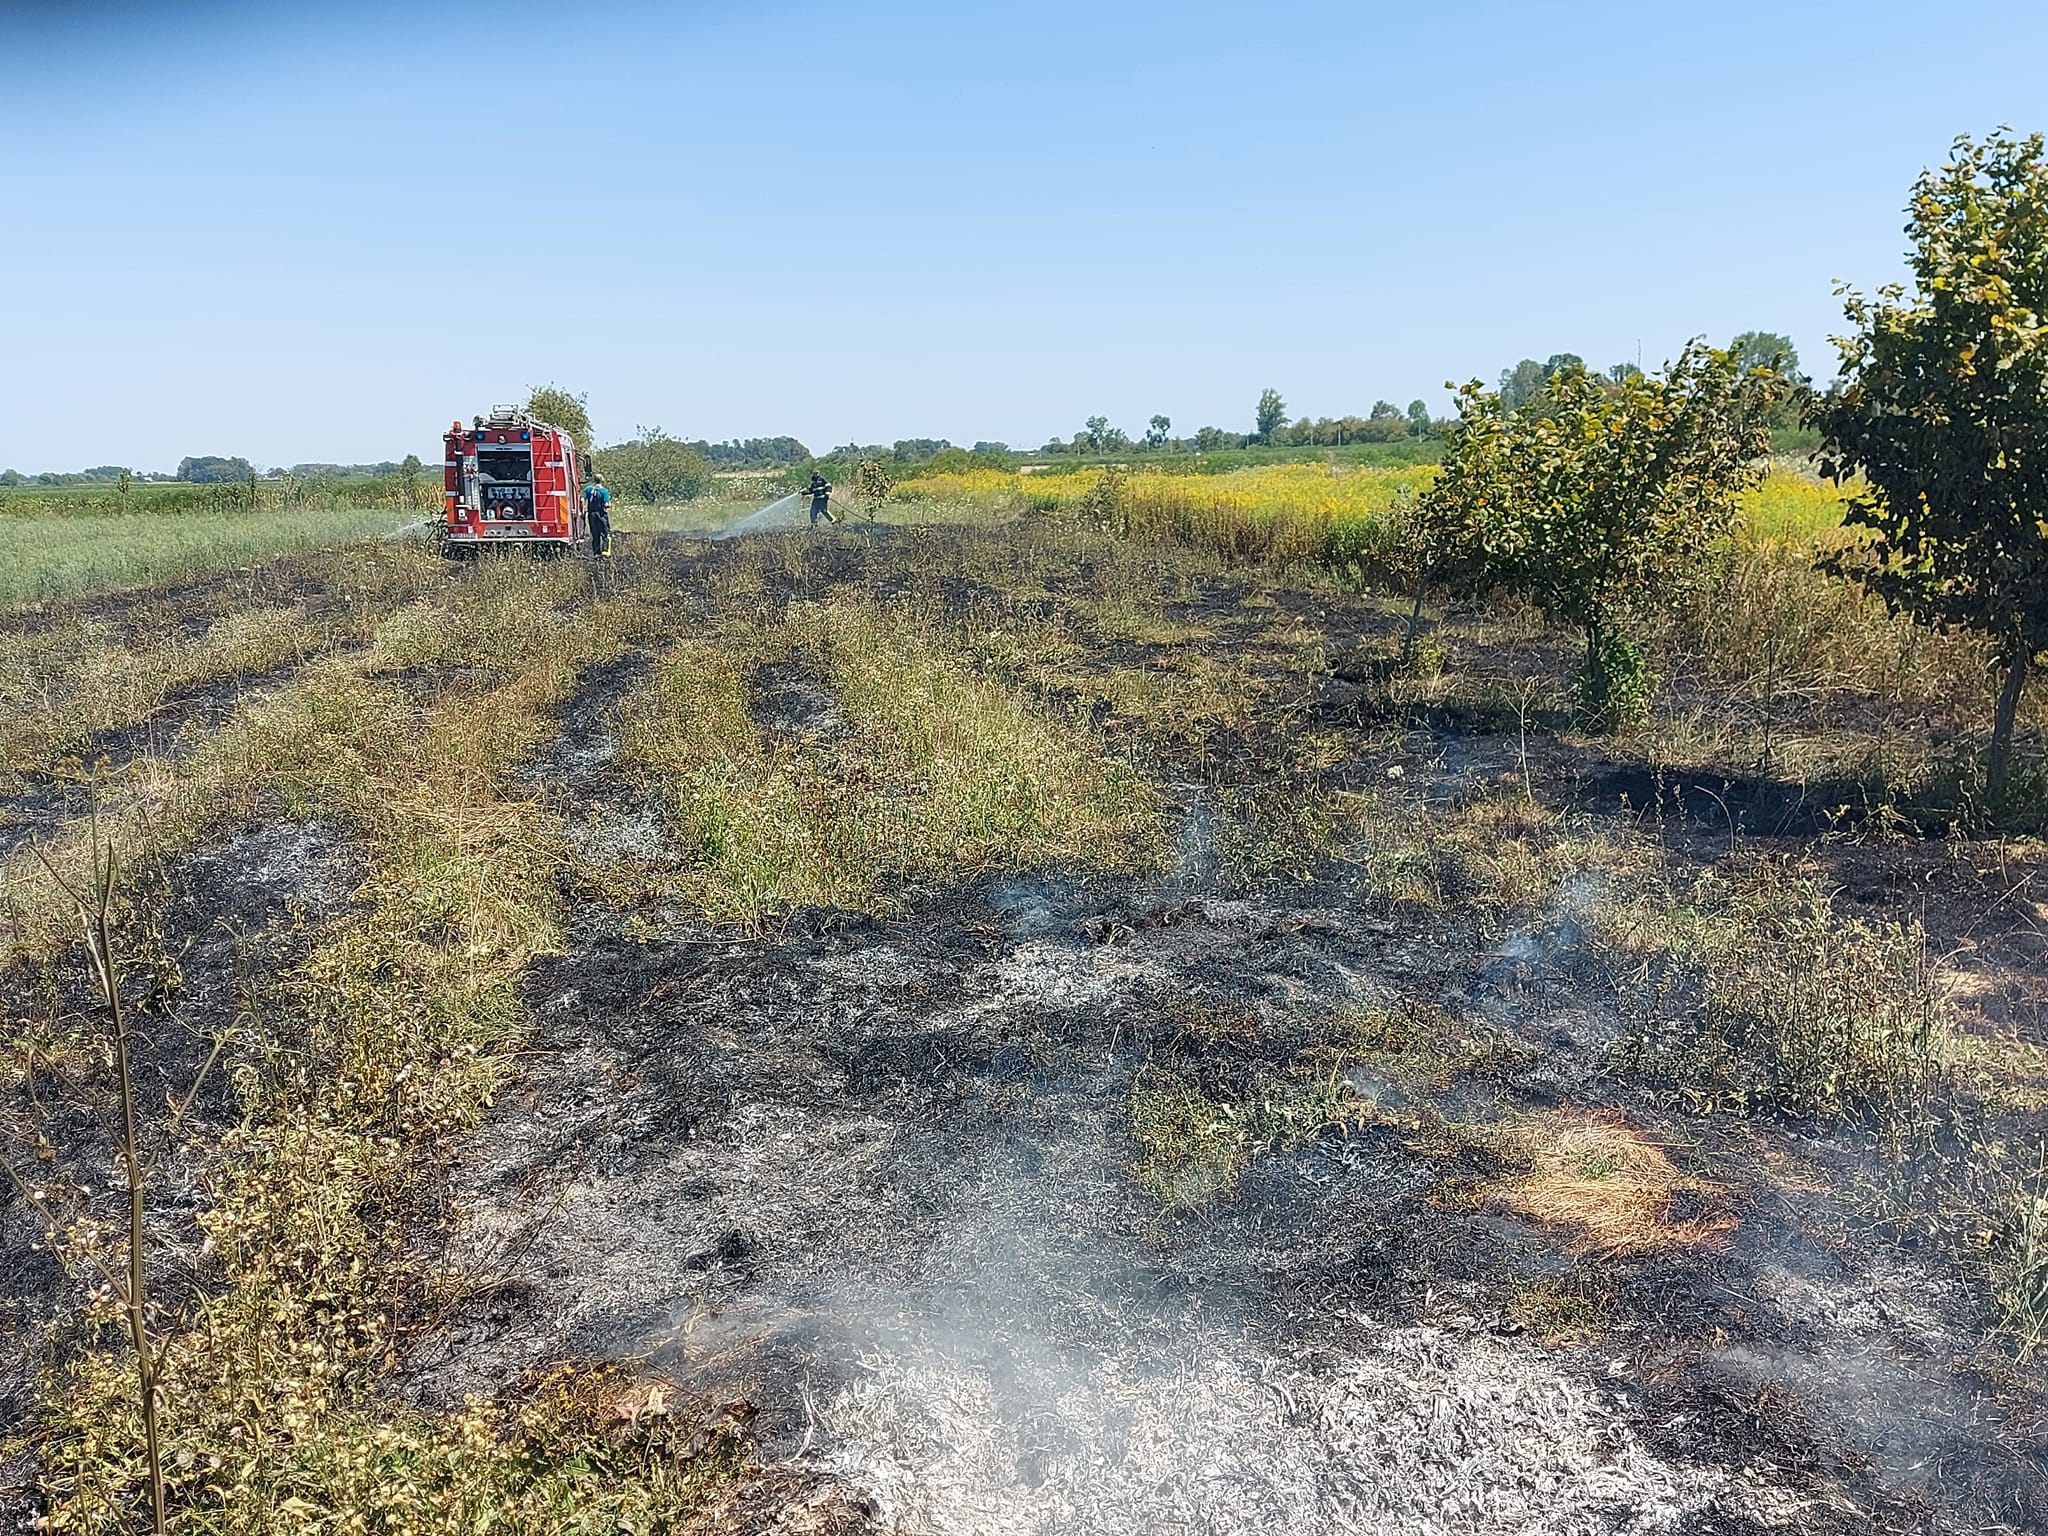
[
  {"x": 756, "y": 451},
  {"x": 1943, "y": 411},
  {"x": 1596, "y": 499},
  {"x": 1215, "y": 440},
  {"x": 1767, "y": 350},
  {"x": 1521, "y": 384},
  {"x": 656, "y": 467},
  {"x": 10, "y": 477},
  {"x": 565, "y": 412},
  {"x": 1094, "y": 432},
  {"x": 1272, "y": 415},
  {"x": 1156, "y": 431},
  {"x": 1419, "y": 424},
  {"x": 211, "y": 470}
]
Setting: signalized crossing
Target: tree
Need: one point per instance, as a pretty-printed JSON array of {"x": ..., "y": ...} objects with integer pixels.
[
  {"x": 1943, "y": 411},
  {"x": 1272, "y": 415},
  {"x": 1095, "y": 432},
  {"x": 1419, "y": 424},
  {"x": 1215, "y": 440},
  {"x": 656, "y": 467},
  {"x": 1521, "y": 384},
  {"x": 552, "y": 404},
  {"x": 1156, "y": 432},
  {"x": 1767, "y": 350},
  {"x": 1596, "y": 499},
  {"x": 209, "y": 469}
]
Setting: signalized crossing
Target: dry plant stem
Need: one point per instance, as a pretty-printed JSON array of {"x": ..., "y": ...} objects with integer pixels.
[{"x": 95, "y": 909}]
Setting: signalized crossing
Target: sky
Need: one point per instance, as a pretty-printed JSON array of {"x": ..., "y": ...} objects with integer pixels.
[{"x": 303, "y": 232}]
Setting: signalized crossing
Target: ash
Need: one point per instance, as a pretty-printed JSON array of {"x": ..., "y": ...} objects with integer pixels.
[{"x": 877, "y": 1178}]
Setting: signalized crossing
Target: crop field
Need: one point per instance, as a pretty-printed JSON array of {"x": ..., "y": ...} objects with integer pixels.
[
  {"x": 1326, "y": 513},
  {"x": 1036, "y": 1013}
]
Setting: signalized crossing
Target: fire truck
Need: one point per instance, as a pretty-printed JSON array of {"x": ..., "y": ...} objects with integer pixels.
[{"x": 511, "y": 480}]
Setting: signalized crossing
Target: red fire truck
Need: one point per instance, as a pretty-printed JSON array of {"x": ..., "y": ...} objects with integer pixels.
[{"x": 511, "y": 480}]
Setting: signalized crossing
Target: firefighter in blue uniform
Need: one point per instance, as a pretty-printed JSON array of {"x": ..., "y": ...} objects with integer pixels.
[
  {"x": 820, "y": 492},
  {"x": 597, "y": 506}
]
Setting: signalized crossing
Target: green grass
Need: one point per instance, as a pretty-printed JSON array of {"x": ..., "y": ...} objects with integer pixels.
[{"x": 47, "y": 558}]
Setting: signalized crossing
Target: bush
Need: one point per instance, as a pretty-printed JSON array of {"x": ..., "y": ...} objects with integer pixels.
[{"x": 656, "y": 467}]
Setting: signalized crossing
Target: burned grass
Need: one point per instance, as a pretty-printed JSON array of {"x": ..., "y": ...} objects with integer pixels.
[{"x": 988, "y": 1006}]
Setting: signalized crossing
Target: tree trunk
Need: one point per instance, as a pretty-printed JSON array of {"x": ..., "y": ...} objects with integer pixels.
[
  {"x": 1998, "y": 762},
  {"x": 1414, "y": 622}
]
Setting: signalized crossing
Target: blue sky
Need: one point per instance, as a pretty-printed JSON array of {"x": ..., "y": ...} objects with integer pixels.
[{"x": 319, "y": 232}]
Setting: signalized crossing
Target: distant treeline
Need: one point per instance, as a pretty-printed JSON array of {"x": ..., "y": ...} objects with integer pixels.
[
  {"x": 212, "y": 469},
  {"x": 97, "y": 499}
]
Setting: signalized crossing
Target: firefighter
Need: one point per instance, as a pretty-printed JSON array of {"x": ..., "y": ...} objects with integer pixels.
[
  {"x": 820, "y": 492},
  {"x": 597, "y": 506}
]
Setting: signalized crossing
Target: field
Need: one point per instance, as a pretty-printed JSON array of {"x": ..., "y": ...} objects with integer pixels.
[
  {"x": 1322, "y": 513},
  {"x": 61, "y": 543},
  {"x": 1026, "y": 1015}
]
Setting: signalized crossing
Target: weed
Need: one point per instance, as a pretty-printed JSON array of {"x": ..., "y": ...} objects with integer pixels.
[
  {"x": 1419, "y": 1046},
  {"x": 1564, "y": 1310},
  {"x": 939, "y": 769},
  {"x": 1189, "y": 1147},
  {"x": 1753, "y": 995}
]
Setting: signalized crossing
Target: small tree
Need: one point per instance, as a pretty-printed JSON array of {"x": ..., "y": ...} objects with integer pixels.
[
  {"x": 657, "y": 467},
  {"x": 560, "y": 409},
  {"x": 1595, "y": 499},
  {"x": 1156, "y": 432},
  {"x": 1418, "y": 418},
  {"x": 1272, "y": 415},
  {"x": 871, "y": 486},
  {"x": 1943, "y": 411}
]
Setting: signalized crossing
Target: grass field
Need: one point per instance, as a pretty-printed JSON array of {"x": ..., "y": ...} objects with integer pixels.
[{"x": 45, "y": 557}]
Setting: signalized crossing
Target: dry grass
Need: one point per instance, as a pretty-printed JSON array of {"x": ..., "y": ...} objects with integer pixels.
[
  {"x": 1617, "y": 1191},
  {"x": 403, "y": 1021},
  {"x": 916, "y": 766},
  {"x": 1753, "y": 995}
]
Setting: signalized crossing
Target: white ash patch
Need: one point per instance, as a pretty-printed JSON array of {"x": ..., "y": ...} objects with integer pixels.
[
  {"x": 610, "y": 833},
  {"x": 308, "y": 862},
  {"x": 878, "y": 966},
  {"x": 1421, "y": 1431}
]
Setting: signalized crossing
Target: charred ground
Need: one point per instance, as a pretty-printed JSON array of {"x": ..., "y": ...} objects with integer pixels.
[{"x": 1254, "y": 1137}]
